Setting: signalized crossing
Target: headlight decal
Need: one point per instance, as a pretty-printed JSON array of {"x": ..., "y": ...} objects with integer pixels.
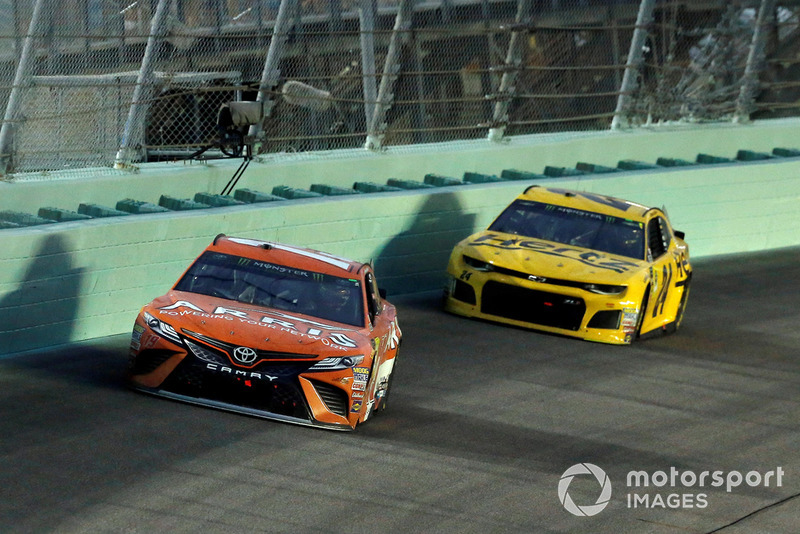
[
  {"x": 605, "y": 289},
  {"x": 161, "y": 328},
  {"x": 337, "y": 363},
  {"x": 476, "y": 264}
]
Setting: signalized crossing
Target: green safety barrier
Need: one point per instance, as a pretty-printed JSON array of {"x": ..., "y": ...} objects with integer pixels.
[
  {"x": 408, "y": 184},
  {"x": 294, "y": 193},
  {"x": 216, "y": 201},
  {"x": 708, "y": 159},
  {"x": 96, "y": 210},
  {"x": 514, "y": 174},
  {"x": 371, "y": 187},
  {"x": 16, "y": 219},
  {"x": 62, "y": 215},
  {"x": 479, "y": 178},
  {"x": 438, "y": 180},
  {"x": 330, "y": 190},
  {"x": 636, "y": 165},
  {"x": 139, "y": 207},
  {"x": 251, "y": 196}
]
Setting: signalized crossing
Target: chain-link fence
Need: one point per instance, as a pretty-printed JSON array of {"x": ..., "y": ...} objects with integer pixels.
[{"x": 113, "y": 83}]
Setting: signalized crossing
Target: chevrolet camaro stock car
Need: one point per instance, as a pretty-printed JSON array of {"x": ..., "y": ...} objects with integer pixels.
[
  {"x": 573, "y": 263},
  {"x": 273, "y": 331}
]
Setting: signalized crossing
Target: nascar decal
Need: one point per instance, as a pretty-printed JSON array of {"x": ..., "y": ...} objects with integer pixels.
[
  {"x": 593, "y": 259},
  {"x": 312, "y": 329}
]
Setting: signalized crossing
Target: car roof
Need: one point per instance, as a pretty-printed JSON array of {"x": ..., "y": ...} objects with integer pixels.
[
  {"x": 587, "y": 201},
  {"x": 288, "y": 255}
]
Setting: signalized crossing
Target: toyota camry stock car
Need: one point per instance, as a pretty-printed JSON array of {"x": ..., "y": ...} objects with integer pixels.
[
  {"x": 574, "y": 263},
  {"x": 270, "y": 330}
]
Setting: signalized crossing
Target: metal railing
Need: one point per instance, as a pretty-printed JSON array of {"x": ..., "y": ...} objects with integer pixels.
[{"x": 103, "y": 83}]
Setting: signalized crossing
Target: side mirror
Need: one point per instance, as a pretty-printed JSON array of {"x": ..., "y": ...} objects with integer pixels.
[
  {"x": 680, "y": 235},
  {"x": 382, "y": 292}
]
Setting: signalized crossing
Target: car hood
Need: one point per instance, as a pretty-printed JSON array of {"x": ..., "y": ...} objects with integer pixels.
[
  {"x": 259, "y": 328},
  {"x": 549, "y": 259}
]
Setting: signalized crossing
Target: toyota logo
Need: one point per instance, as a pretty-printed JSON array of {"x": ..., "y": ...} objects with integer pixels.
[{"x": 244, "y": 355}]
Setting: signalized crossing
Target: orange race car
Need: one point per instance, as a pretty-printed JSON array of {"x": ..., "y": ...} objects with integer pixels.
[{"x": 270, "y": 330}]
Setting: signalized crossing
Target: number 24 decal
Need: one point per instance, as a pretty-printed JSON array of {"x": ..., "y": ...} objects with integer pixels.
[{"x": 666, "y": 278}]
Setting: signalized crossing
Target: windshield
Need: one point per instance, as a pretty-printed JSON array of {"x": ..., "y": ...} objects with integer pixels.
[
  {"x": 572, "y": 227},
  {"x": 275, "y": 286}
]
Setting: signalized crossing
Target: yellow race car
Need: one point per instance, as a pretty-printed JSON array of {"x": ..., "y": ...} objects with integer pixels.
[{"x": 573, "y": 263}]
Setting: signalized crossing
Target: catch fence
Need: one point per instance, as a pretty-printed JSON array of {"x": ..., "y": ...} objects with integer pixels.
[{"x": 87, "y": 84}]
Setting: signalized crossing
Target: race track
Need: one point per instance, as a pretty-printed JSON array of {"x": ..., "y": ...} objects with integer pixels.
[{"x": 483, "y": 422}]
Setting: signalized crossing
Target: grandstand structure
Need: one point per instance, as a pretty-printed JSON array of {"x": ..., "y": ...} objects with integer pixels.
[{"x": 98, "y": 86}]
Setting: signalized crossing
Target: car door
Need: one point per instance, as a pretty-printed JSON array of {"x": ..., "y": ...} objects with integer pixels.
[{"x": 662, "y": 272}]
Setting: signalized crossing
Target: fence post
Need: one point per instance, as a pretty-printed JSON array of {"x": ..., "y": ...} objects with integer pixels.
[
  {"x": 271, "y": 73},
  {"x": 136, "y": 113},
  {"x": 21, "y": 78},
  {"x": 376, "y": 128},
  {"x": 508, "y": 81},
  {"x": 755, "y": 61},
  {"x": 635, "y": 58},
  {"x": 366, "y": 19}
]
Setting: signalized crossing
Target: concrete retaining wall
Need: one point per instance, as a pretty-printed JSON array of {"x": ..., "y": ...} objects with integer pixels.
[{"x": 79, "y": 280}]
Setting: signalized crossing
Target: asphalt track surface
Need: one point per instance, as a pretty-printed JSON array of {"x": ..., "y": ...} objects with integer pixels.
[{"x": 484, "y": 421}]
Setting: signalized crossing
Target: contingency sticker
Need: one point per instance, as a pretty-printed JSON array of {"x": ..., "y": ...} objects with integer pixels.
[{"x": 136, "y": 336}]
